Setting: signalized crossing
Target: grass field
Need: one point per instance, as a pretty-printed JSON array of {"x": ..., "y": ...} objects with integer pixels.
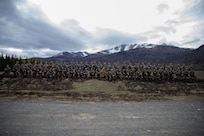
[{"x": 97, "y": 90}]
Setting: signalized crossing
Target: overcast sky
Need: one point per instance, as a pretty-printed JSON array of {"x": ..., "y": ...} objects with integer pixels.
[{"x": 42, "y": 28}]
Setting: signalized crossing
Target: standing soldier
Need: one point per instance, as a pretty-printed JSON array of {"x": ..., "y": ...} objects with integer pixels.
[
  {"x": 7, "y": 70},
  {"x": 118, "y": 73},
  {"x": 16, "y": 69},
  {"x": 192, "y": 74},
  {"x": 102, "y": 72}
]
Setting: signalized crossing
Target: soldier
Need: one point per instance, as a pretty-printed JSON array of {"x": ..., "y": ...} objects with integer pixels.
[
  {"x": 23, "y": 69},
  {"x": 16, "y": 69},
  {"x": 102, "y": 72},
  {"x": 7, "y": 70},
  {"x": 173, "y": 77},
  {"x": 192, "y": 75},
  {"x": 112, "y": 74},
  {"x": 97, "y": 72},
  {"x": 118, "y": 73}
]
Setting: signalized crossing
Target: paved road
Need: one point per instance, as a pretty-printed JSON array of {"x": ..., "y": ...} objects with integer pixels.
[{"x": 104, "y": 118}]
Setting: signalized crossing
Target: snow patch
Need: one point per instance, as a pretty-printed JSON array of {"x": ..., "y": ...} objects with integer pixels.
[
  {"x": 113, "y": 50},
  {"x": 60, "y": 54},
  {"x": 85, "y": 54},
  {"x": 127, "y": 47}
]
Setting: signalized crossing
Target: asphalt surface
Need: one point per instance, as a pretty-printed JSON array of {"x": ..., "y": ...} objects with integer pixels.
[{"x": 181, "y": 118}]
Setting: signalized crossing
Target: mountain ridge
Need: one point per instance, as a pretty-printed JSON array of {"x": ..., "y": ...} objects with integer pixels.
[
  {"x": 138, "y": 53},
  {"x": 116, "y": 49}
]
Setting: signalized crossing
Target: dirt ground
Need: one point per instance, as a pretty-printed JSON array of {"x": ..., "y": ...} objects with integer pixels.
[{"x": 97, "y": 90}]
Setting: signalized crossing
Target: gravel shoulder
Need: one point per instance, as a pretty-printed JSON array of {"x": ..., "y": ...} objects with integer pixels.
[{"x": 166, "y": 118}]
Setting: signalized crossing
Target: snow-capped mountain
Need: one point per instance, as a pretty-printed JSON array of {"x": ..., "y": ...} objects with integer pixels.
[
  {"x": 117, "y": 49},
  {"x": 72, "y": 54},
  {"x": 139, "y": 53},
  {"x": 126, "y": 47}
]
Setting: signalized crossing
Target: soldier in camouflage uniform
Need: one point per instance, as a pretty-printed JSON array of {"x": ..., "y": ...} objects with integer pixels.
[
  {"x": 105, "y": 71},
  {"x": 7, "y": 70}
]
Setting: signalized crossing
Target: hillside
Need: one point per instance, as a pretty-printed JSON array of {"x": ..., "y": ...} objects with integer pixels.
[{"x": 142, "y": 53}]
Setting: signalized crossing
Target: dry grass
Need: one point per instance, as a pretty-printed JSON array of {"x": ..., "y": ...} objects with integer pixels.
[
  {"x": 97, "y": 86},
  {"x": 97, "y": 90}
]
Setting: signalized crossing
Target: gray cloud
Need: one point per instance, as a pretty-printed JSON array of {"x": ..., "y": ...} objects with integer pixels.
[
  {"x": 24, "y": 26},
  {"x": 192, "y": 41},
  {"x": 162, "y": 7},
  {"x": 112, "y": 38},
  {"x": 194, "y": 12},
  {"x": 153, "y": 35},
  {"x": 196, "y": 37},
  {"x": 165, "y": 29},
  {"x": 76, "y": 30},
  {"x": 159, "y": 32}
]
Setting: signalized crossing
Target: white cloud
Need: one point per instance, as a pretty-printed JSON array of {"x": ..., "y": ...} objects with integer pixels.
[{"x": 132, "y": 16}]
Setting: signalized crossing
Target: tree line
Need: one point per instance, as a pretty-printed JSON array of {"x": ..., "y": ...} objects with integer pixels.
[{"x": 10, "y": 60}]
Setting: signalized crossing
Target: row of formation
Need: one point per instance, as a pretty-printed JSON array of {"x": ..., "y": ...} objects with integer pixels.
[{"x": 102, "y": 71}]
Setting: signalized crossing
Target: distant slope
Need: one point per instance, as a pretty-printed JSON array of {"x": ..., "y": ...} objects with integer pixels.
[
  {"x": 68, "y": 56},
  {"x": 142, "y": 53},
  {"x": 196, "y": 56},
  {"x": 157, "y": 54}
]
